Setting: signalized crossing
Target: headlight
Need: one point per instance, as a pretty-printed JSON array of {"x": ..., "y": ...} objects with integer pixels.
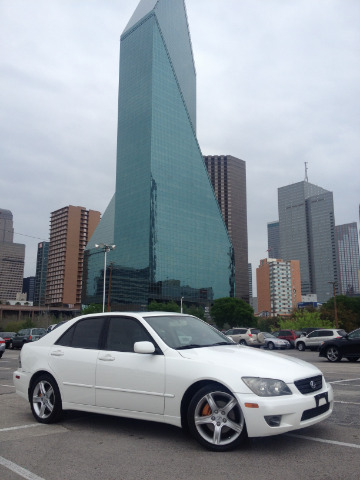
[{"x": 267, "y": 387}]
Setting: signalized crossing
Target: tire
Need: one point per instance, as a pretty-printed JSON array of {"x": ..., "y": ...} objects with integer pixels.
[
  {"x": 215, "y": 419},
  {"x": 242, "y": 342},
  {"x": 333, "y": 354},
  {"x": 271, "y": 346},
  {"x": 11, "y": 345},
  {"x": 353, "y": 359},
  {"x": 45, "y": 399},
  {"x": 301, "y": 346},
  {"x": 1, "y": 354}
]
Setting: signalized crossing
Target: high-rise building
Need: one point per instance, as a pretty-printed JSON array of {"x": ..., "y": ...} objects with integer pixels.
[
  {"x": 171, "y": 240},
  {"x": 347, "y": 247},
  {"x": 273, "y": 239},
  {"x": 228, "y": 178},
  {"x": 278, "y": 286},
  {"x": 307, "y": 234},
  {"x": 41, "y": 271},
  {"x": 12, "y": 259},
  {"x": 70, "y": 230},
  {"x": 250, "y": 281},
  {"x": 28, "y": 288}
]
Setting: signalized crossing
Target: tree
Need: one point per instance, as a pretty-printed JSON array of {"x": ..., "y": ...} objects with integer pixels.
[
  {"x": 348, "y": 311},
  {"x": 92, "y": 308},
  {"x": 304, "y": 318},
  {"x": 232, "y": 311},
  {"x": 163, "y": 307}
]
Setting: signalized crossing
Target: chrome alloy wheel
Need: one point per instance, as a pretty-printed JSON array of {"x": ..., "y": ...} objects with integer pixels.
[
  {"x": 333, "y": 355},
  {"x": 43, "y": 399},
  {"x": 218, "y": 418}
]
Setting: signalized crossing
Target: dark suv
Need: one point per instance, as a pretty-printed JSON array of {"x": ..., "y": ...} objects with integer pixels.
[
  {"x": 289, "y": 335},
  {"x": 26, "y": 335}
]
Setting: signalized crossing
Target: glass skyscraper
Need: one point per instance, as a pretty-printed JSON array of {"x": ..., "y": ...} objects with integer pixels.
[
  {"x": 307, "y": 233},
  {"x": 171, "y": 240},
  {"x": 347, "y": 243}
]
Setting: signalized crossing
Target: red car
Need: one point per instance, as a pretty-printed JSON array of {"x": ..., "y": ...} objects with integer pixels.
[{"x": 289, "y": 335}]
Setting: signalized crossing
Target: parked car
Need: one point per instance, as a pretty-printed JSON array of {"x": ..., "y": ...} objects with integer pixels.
[
  {"x": 271, "y": 342},
  {"x": 170, "y": 368},
  {"x": 289, "y": 335},
  {"x": 7, "y": 336},
  {"x": 25, "y": 336},
  {"x": 314, "y": 339},
  {"x": 244, "y": 336},
  {"x": 2, "y": 346},
  {"x": 348, "y": 347}
]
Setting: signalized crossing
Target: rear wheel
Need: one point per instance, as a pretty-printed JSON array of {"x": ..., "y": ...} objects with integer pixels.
[
  {"x": 45, "y": 399},
  {"x": 301, "y": 346},
  {"x": 242, "y": 342},
  {"x": 215, "y": 419},
  {"x": 333, "y": 354},
  {"x": 11, "y": 345}
]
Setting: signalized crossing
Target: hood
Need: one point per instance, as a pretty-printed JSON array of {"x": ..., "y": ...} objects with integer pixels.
[{"x": 253, "y": 362}]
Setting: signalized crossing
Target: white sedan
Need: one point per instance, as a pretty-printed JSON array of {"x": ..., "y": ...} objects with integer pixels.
[{"x": 170, "y": 368}]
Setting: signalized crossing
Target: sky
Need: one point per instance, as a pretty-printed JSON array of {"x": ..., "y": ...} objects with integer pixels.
[{"x": 278, "y": 85}]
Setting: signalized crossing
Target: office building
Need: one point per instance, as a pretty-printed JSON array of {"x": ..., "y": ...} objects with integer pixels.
[
  {"x": 347, "y": 248},
  {"x": 278, "y": 286},
  {"x": 307, "y": 234},
  {"x": 228, "y": 178},
  {"x": 171, "y": 240},
  {"x": 273, "y": 239},
  {"x": 41, "y": 271},
  {"x": 70, "y": 230},
  {"x": 29, "y": 288},
  {"x": 250, "y": 281},
  {"x": 12, "y": 259}
]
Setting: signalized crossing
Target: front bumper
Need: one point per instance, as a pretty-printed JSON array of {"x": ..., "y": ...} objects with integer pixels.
[{"x": 296, "y": 411}]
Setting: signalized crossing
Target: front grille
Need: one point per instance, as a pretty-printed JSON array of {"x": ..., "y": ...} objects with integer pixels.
[
  {"x": 309, "y": 385},
  {"x": 315, "y": 412}
]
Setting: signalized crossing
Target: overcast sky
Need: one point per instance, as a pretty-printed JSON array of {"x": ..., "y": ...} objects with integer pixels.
[{"x": 278, "y": 84}]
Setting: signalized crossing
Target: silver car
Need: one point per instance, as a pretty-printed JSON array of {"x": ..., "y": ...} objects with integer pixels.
[
  {"x": 2, "y": 346},
  {"x": 271, "y": 342}
]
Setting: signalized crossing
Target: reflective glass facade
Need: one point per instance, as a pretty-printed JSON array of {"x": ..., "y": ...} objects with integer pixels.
[
  {"x": 164, "y": 219},
  {"x": 307, "y": 233},
  {"x": 347, "y": 243}
]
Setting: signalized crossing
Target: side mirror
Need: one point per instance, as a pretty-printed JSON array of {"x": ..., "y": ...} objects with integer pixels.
[{"x": 144, "y": 347}]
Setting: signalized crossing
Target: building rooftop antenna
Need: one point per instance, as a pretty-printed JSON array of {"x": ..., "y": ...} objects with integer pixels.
[{"x": 306, "y": 169}]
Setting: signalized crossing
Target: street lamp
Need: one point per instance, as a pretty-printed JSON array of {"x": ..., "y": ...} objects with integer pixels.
[
  {"x": 335, "y": 308},
  {"x": 181, "y": 307},
  {"x": 106, "y": 249}
]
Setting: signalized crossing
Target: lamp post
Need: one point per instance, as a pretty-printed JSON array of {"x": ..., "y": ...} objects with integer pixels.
[
  {"x": 106, "y": 249},
  {"x": 181, "y": 307},
  {"x": 335, "y": 308}
]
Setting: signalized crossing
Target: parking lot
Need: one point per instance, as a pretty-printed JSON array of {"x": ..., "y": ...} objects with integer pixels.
[{"x": 85, "y": 446}]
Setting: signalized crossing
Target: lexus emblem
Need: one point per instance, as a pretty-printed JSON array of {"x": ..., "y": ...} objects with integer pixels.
[{"x": 313, "y": 384}]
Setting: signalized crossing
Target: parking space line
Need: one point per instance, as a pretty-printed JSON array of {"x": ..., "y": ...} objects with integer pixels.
[
  {"x": 322, "y": 440},
  {"x": 4, "y": 385},
  {"x": 345, "y": 380},
  {"x": 346, "y": 403},
  {"x": 19, "y": 470},
  {"x": 19, "y": 427}
]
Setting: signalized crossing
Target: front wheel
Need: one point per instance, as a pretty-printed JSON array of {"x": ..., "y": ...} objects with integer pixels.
[
  {"x": 301, "y": 346},
  {"x": 333, "y": 354},
  {"x": 45, "y": 399},
  {"x": 215, "y": 419},
  {"x": 271, "y": 346}
]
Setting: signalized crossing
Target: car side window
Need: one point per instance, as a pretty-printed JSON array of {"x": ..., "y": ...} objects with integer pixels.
[
  {"x": 123, "y": 332},
  {"x": 355, "y": 334},
  {"x": 313, "y": 334},
  {"x": 84, "y": 334},
  {"x": 327, "y": 333}
]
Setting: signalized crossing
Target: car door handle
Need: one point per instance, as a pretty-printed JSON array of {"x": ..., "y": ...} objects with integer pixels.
[
  {"x": 57, "y": 353},
  {"x": 107, "y": 358}
]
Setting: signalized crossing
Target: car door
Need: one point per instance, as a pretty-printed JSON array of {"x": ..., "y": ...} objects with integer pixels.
[
  {"x": 20, "y": 337},
  {"x": 312, "y": 340},
  {"x": 351, "y": 345},
  {"x": 127, "y": 380},
  {"x": 73, "y": 360}
]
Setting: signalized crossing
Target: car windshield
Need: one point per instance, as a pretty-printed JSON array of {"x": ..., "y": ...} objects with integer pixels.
[
  {"x": 268, "y": 335},
  {"x": 38, "y": 331},
  {"x": 183, "y": 332}
]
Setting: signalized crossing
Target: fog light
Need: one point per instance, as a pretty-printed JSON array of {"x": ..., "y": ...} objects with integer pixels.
[{"x": 273, "y": 420}]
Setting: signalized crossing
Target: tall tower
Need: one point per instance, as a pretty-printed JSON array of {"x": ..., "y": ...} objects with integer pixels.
[
  {"x": 12, "y": 259},
  {"x": 307, "y": 233},
  {"x": 41, "y": 271},
  {"x": 228, "y": 178},
  {"x": 347, "y": 247},
  {"x": 171, "y": 241},
  {"x": 273, "y": 239},
  {"x": 70, "y": 230}
]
